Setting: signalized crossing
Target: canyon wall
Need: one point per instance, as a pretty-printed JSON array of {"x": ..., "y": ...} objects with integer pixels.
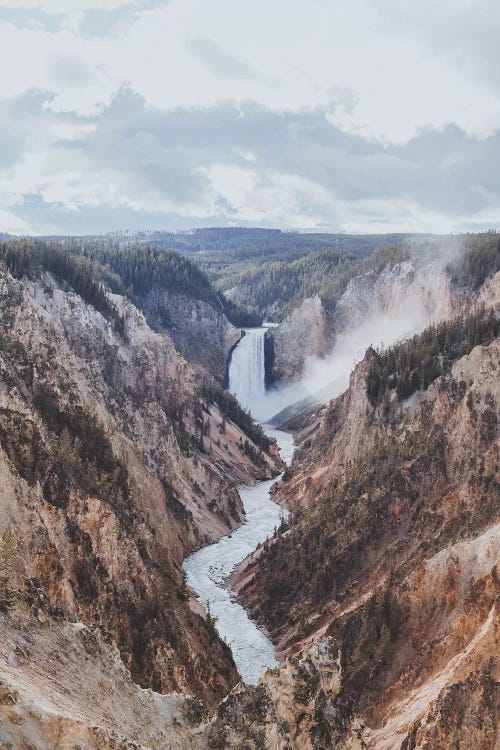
[
  {"x": 117, "y": 459},
  {"x": 400, "y": 299},
  {"x": 306, "y": 332},
  {"x": 392, "y": 556},
  {"x": 200, "y": 333},
  {"x": 114, "y": 466}
]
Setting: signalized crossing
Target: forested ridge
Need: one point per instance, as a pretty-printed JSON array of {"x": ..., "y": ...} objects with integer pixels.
[
  {"x": 136, "y": 270},
  {"x": 414, "y": 364},
  {"x": 266, "y": 271},
  {"x": 271, "y": 267},
  {"x": 283, "y": 282},
  {"x": 278, "y": 285},
  {"x": 90, "y": 267},
  {"x": 29, "y": 257},
  {"x": 479, "y": 259},
  {"x": 325, "y": 273},
  {"x": 238, "y": 243}
]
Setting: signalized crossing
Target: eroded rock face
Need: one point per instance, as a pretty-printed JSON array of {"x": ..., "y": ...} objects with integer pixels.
[
  {"x": 200, "y": 333},
  {"x": 404, "y": 288},
  {"x": 306, "y": 332},
  {"x": 408, "y": 588},
  {"x": 405, "y": 296},
  {"x": 464, "y": 715},
  {"x": 290, "y": 708},
  {"x": 112, "y": 469},
  {"x": 73, "y": 690}
]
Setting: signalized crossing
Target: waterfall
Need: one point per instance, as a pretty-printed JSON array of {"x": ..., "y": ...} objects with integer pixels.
[
  {"x": 247, "y": 370},
  {"x": 208, "y": 569}
]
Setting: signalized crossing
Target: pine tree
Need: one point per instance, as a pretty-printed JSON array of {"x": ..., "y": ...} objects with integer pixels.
[{"x": 8, "y": 570}]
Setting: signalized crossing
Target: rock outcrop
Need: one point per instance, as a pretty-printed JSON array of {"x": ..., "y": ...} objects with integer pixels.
[
  {"x": 306, "y": 332},
  {"x": 64, "y": 685},
  {"x": 393, "y": 553},
  {"x": 200, "y": 333},
  {"x": 401, "y": 299},
  {"x": 113, "y": 467},
  {"x": 408, "y": 289}
]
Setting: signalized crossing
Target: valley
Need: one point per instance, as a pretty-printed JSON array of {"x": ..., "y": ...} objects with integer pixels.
[{"x": 220, "y": 533}]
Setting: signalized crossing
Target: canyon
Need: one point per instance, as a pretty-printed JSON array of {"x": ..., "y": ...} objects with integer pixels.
[{"x": 135, "y": 490}]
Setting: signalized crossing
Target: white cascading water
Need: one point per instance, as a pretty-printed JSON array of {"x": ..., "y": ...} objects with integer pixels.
[
  {"x": 247, "y": 370},
  {"x": 208, "y": 569}
]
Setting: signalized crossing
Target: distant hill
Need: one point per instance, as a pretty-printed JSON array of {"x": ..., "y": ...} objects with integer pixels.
[{"x": 249, "y": 242}]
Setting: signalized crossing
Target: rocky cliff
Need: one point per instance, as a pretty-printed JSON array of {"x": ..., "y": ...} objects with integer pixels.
[
  {"x": 306, "y": 332},
  {"x": 401, "y": 298},
  {"x": 114, "y": 465},
  {"x": 200, "y": 333},
  {"x": 393, "y": 553}
]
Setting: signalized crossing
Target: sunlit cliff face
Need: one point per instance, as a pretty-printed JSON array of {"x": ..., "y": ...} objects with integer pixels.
[{"x": 374, "y": 311}]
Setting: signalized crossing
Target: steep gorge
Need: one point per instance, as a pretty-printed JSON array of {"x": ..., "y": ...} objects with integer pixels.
[
  {"x": 201, "y": 334},
  {"x": 392, "y": 556},
  {"x": 118, "y": 458},
  {"x": 113, "y": 468}
]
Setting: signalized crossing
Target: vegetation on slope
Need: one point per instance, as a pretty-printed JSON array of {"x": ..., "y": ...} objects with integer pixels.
[
  {"x": 479, "y": 259},
  {"x": 271, "y": 265},
  {"x": 78, "y": 452},
  {"x": 414, "y": 364},
  {"x": 266, "y": 267},
  {"x": 230, "y": 408},
  {"x": 82, "y": 453},
  {"x": 283, "y": 277},
  {"x": 391, "y": 492},
  {"x": 132, "y": 271},
  {"x": 30, "y": 257},
  {"x": 137, "y": 269},
  {"x": 288, "y": 282},
  {"x": 279, "y": 282},
  {"x": 314, "y": 559}
]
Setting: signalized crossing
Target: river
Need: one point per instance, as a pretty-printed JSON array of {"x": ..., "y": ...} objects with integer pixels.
[{"x": 208, "y": 569}]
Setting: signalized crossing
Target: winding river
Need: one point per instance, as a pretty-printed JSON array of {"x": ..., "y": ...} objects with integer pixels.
[{"x": 208, "y": 569}]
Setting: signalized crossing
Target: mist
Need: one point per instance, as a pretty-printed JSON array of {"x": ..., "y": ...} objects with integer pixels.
[{"x": 404, "y": 301}]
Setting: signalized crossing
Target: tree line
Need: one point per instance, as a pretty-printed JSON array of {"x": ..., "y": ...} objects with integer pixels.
[
  {"x": 27, "y": 258},
  {"x": 135, "y": 270},
  {"x": 90, "y": 268},
  {"x": 414, "y": 364},
  {"x": 479, "y": 259}
]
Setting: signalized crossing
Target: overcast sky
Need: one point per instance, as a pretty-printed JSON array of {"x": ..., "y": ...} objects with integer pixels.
[{"x": 349, "y": 115}]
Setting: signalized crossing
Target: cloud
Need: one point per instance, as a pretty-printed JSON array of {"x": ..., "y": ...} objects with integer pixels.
[
  {"x": 371, "y": 71},
  {"x": 227, "y": 164},
  {"x": 219, "y": 61},
  {"x": 26, "y": 18},
  {"x": 355, "y": 116},
  {"x": 71, "y": 72},
  {"x": 64, "y": 6}
]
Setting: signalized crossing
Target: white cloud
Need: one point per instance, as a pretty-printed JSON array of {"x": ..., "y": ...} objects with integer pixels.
[
  {"x": 64, "y": 6},
  {"x": 270, "y": 197},
  {"x": 390, "y": 78},
  {"x": 372, "y": 72}
]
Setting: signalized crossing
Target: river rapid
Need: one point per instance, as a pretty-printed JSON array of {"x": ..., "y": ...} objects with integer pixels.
[{"x": 208, "y": 569}]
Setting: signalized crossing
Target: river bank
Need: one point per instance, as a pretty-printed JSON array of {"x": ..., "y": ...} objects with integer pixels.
[{"x": 208, "y": 570}]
